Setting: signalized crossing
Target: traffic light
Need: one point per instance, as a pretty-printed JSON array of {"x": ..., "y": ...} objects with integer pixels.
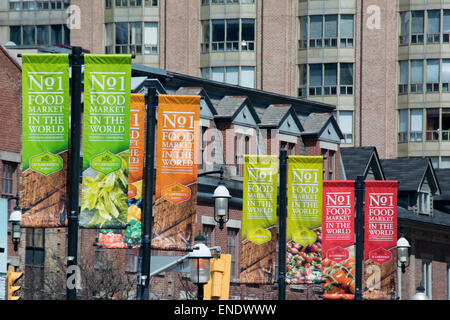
[
  {"x": 218, "y": 286},
  {"x": 11, "y": 278}
]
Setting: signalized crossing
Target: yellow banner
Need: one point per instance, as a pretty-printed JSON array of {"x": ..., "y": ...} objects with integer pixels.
[
  {"x": 304, "y": 219},
  {"x": 259, "y": 218}
]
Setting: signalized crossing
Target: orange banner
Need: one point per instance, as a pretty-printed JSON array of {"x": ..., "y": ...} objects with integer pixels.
[
  {"x": 176, "y": 171},
  {"x": 131, "y": 236}
]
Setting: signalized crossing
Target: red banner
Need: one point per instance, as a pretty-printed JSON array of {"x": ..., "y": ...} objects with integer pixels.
[
  {"x": 380, "y": 238},
  {"x": 380, "y": 220},
  {"x": 338, "y": 236}
]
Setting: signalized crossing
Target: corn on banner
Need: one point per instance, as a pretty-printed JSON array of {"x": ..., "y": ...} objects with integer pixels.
[
  {"x": 45, "y": 139},
  {"x": 338, "y": 239},
  {"x": 131, "y": 236},
  {"x": 304, "y": 219},
  {"x": 259, "y": 217},
  {"x": 380, "y": 239},
  {"x": 106, "y": 141},
  {"x": 176, "y": 171}
]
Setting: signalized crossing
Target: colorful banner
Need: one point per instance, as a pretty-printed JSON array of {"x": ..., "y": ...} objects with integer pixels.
[
  {"x": 131, "y": 236},
  {"x": 259, "y": 218},
  {"x": 380, "y": 239},
  {"x": 45, "y": 139},
  {"x": 304, "y": 219},
  {"x": 176, "y": 172},
  {"x": 106, "y": 141},
  {"x": 338, "y": 239}
]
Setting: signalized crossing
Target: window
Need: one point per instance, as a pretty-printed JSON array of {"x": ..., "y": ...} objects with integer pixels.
[
  {"x": 38, "y": 5},
  {"x": 131, "y": 260},
  {"x": 403, "y": 126},
  {"x": 302, "y": 80},
  {"x": 316, "y": 30},
  {"x": 303, "y": 41},
  {"x": 416, "y": 85},
  {"x": 433, "y": 26},
  {"x": 445, "y": 124},
  {"x": 330, "y": 166},
  {"x": 416, "y": 125},
  {"x": 432, "y": 133},
  {"x": 208, "y": 232},
  {"x": 433, "y": 66},
  {"x": 15, "y": 5},
  {"x": 8, "y": 178},
  {"x": 446, "y": 26},
  {"x": 330, "y": 79},
  {"x": 315, "y": 79},
  {"x": 346, "y": 78},
  {"x": 427, "y": 277},
  {"x": 445, "y": 75},
  {"x": 243, "y": 76},
  {"x": 228, "y": 35},
  {"x": 417, "y": 27},
  {"x": 331, "y": 31},
  {"x": 346, "y": 126},
  {"x": 34, "y": 247},
  {"x": 41, "y": 35},
  {"x": 347, "y": 31},
  {"x": 404, "y": 27},
  {"x": 445, "y": 163},
  {"x": 208, "y": 2},
  {"x": 132, "y": 37},
  {"x": 404, "y": 75},
  {"x": 151, "y": 3},
  {"x": 232, "y": 247}
]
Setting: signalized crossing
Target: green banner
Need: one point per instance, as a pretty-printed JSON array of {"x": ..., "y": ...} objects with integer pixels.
[
  {"x": 259, "y": 219},
  {"x": 45, "y": 138},
  {"x": 304, "y": 219},
  {"x": 45, "y": 111},
  {"x": 106, "y": 141}
]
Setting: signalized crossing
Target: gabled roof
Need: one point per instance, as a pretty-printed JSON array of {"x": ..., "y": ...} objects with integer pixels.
[
  {"x": 230, "y": 106},
  {"x": 275, "y": 114},
  {"x": 359, "y": 161},
  {"x": 198, "y": 91},
  {"x": 315, "y": 123},
  {"x": 411, "y": 173},
  {"x": 443, "y": 176}
]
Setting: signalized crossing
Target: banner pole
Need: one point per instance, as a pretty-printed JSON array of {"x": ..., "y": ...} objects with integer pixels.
[
  {"x": 282, "y": 209},
  {"x": 74, "y": 174},
  {"x": 359, "y": 233},
  {"x": 151, "y": 101}
]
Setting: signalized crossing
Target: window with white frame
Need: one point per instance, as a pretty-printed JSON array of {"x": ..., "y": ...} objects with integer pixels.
[
  {"x": 232, "y": 248},
  {"x": 433, "y": 26},
  {"x": 433, "y": 68},
  {"x": 416, "y": 85},
  {"x": 345, "y": 120},
  {"x": 8, "y": 178},
  {"x": 416, "y": 125},
  {"x": 424, "y": 203},
  {"x": 417, "y": 27},
  {"x": 427, "y": 277},
  {"x": 236, "y": 75},
  {"x": 132, "y": 37}
]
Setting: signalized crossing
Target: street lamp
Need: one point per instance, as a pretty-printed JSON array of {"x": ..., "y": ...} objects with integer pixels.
[
  {"x": 14, "y": 218},
  {"x": 200, "y": 265},
  {"x": 420, "y": 294},
  {"x": 403, "y": 253},
  {"x": 221, "y": 199}
]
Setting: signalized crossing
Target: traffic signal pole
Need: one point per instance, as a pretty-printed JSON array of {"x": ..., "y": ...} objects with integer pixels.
[
  {"x": 74, "y": 175},
  {"x": 282, "y": 213}
]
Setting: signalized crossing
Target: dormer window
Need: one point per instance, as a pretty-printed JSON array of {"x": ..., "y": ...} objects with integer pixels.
[{"x": 424, "y": 203}]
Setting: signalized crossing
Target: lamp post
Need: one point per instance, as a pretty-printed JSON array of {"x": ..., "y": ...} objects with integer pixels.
[
  {"x": 403, "y": 253},
  {"x": 200, "y": 266},
  {"x": 221, "y": 199},
  {"x": 14, "y": 218},
  {"x": 420, "y": 294}
]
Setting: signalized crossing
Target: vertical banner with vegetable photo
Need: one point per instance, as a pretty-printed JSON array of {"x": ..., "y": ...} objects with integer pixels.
[
  {"x": 45, "y": 139},
  {"x": 380, "y": 239},
  {"x": 176, "y": 171},
  {"x": 131, "y": 236},
  {"x": 304, "y": 219},
  {"x": 259, "y": 219},
  {"x": 106, "y": 141},
  {"x": 338, "y": 239}
]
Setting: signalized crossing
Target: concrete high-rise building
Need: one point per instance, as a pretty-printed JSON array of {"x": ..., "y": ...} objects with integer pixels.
[{"x": 383, "y": 63}]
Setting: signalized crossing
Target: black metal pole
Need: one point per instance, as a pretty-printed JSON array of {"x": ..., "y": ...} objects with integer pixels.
[
  {"x": 74, "y": 171},
  {"x": 147, "y": 226},
  {"x": 282, "y": 212},
  {"x": 359, "y": 241},
  {"x": 200, "y": 294}
]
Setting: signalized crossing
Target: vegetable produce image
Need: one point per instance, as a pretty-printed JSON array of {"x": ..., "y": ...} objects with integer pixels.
[
  {"x": 338, "y": 278},
  {"x": 303, "y": 263},
  {"x": 105, "y": 197}
]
